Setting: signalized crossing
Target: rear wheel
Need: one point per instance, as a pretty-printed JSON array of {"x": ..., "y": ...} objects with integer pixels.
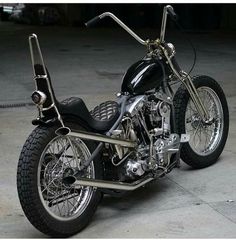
[
  {"x": 207, "y": 141},
  {"x": 53, "y": 207}
]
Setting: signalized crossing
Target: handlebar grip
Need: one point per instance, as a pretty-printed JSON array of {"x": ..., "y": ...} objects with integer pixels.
[
  {"x": 172, "y": 13},
  {"x": 92, "y": 22}
]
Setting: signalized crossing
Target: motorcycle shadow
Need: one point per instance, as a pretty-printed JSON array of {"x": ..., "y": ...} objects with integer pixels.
[
  {"x": 142, "y": 199},
  {"x": 187, "y": 168}
]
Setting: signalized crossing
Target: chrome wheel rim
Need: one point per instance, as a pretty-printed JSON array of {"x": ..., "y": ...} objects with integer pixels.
[
  {"x": 63, "y": 155},
  {"x": 205, "y": 138}
]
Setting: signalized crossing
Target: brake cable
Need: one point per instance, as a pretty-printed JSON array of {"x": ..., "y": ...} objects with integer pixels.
[{"x": 180, "y": 28}]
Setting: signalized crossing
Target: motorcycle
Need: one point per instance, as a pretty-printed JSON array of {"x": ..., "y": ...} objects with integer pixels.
[{"x": 74, "y": 155}]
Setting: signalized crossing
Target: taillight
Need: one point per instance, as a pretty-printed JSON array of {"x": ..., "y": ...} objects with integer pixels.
[{"x": 38, "y": 97}]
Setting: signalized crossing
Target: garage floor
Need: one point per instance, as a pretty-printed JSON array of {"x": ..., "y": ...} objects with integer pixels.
[{"x": 90, "y": 64}]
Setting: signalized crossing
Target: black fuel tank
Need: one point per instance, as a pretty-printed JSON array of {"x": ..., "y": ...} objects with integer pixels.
[{"x": 142, "y": 76}]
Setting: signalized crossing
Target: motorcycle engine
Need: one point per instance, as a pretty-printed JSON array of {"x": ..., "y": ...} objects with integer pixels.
[{"x": 149, "y": 118}]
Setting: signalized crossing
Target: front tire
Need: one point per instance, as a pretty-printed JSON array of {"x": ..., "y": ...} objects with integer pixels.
[
  {"x": 40, "y": 187},
  {"x": 202, "y": 150}
]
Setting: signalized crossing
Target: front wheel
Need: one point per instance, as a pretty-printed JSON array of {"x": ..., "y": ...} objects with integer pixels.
[
  {"x": 51, "y": 206},
  {"x": 207, "y": 141}
]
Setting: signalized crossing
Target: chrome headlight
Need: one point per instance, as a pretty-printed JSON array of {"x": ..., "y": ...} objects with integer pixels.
[{"x": 172, "y": 51}]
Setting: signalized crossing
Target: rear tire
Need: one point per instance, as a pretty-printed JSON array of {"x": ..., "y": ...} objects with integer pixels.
[
  {"x": 29, "y": 192},
  {"x": 189, "y": 153}
]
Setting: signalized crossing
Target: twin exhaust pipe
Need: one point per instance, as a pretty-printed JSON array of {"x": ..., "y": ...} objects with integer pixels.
[
  {"x": 65, "y": 131},
  {"x": 78, "y": 182}
]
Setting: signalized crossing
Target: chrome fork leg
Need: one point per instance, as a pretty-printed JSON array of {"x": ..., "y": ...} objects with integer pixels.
[{"x": 187, "y": 81}]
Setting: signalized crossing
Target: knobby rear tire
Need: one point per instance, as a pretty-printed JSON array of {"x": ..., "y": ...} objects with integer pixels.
[{"x": 28, "y": 190}]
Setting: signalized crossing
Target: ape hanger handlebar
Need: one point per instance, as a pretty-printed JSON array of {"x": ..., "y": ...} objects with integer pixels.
[
  {"x": 116, "y": 19},
  {"x": 167, "y": 10}
]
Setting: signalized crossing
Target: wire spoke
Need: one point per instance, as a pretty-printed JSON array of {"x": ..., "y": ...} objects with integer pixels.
[
  {"x": 204, "y": 137},
  {"x": 64, "y": 153}
]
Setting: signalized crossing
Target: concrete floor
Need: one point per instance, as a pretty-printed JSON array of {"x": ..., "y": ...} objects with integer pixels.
[{"x": 90, "y": 63}]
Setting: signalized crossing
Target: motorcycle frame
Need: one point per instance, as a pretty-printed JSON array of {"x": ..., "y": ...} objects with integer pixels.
[{"x": 181, "y": 75}]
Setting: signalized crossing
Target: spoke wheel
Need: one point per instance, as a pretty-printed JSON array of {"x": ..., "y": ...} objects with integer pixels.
[
  {"x": 207, "y": 140},
  {"x": 204, "y": 138},
  {"x": 63, "y": 156},
  {"x": 55, "y": 208}
]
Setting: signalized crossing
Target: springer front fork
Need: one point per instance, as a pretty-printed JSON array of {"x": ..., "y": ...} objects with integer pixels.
[
  {"x": 187, "y": 81},
  {"x": 181, "y": 75}
]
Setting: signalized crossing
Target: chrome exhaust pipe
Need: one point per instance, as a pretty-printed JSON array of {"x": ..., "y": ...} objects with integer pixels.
[
  {"x": 95, "y": 137},
  {"x": 106, "y": 184}
]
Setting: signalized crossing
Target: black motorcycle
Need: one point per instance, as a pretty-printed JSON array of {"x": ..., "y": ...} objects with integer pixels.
[{"x": 74, "y": 155}]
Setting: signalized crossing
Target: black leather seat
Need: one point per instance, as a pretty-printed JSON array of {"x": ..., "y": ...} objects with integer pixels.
[{"x": 100, "y": 119}]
